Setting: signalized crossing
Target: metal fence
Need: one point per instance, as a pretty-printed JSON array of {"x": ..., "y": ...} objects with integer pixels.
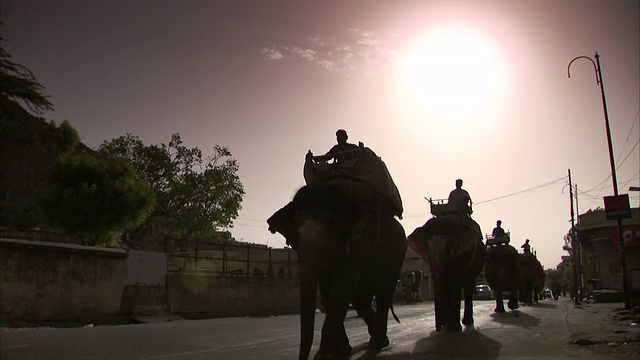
[{"x": 231, "y": 259}]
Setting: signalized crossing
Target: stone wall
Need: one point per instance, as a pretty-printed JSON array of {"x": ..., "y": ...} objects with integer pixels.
[
  {"x": 56, "y": 281},
  {"x": 221, "y": 296},
  {"x": 53, "y": 281}
]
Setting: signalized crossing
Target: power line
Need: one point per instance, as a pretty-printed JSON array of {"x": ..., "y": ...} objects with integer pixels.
[
  {"x": 630, "y": 130},
  {"x": 553, "y": 182},
  {"x": 617, "y": 167},
  {"x": 630, "y": 152}
]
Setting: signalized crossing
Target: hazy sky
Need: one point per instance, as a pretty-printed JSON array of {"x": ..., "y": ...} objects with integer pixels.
[{"x": 440, "y": 90}]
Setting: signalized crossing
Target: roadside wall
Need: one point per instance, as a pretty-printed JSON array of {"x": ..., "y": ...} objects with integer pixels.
[
  {"x": 56, "y": 281},
  {"x": 219, "y": 296},
  {"x": 52, "y": 281}
]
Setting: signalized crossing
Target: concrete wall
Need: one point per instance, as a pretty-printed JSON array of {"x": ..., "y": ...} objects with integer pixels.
[
  {"x": 146, "y": 268},
  {"x": 51, "y": 281},
  {"x": 218, "y": 296},
  {"x": 57, "y": 281}
]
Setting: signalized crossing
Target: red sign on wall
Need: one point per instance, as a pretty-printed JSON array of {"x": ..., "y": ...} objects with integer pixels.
[
  {"x": 630, "y": 235},
  {"x": 617, "y": 207}
]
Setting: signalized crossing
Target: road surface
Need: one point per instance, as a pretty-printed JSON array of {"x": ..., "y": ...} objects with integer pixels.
[{"x": 541, "y": 331}]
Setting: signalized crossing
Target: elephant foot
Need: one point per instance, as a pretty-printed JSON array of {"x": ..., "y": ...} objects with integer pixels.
[
  {"x": 499, "y": 310},
  {"x": 379, "y": 342},
  {"x": 467, "y": 321},
  {"x": 343, "y": 352},
  {"x": 513, "y": 305}
]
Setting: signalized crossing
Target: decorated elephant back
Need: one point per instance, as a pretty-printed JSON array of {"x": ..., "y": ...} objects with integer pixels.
[
  {"x": 448, "y": 242},
  {"x": 501, "y": 267},
  {"x": 462, "y": 233}
]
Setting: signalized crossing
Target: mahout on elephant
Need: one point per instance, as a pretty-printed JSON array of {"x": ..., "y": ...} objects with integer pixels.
[
  {"x": 351, "y": 248},
  {"x": 454, "y": 248},
  {"x": 501, "y": 270},
  {"x": 531, "y": 278}
]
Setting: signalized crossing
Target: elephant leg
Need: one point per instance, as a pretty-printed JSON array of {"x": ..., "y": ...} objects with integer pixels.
[
  {"x": 440, "y": 309},
  {"x": 334, "y": 341},
  {"x": 499, "y": 303},
  {"x": 467, "y": 319},
  {"x": 364, "y": 308},
  {"x": 513, "y": 300},
  {"x": 379, "y": 337},
  {"x": 452, "y": 319}
]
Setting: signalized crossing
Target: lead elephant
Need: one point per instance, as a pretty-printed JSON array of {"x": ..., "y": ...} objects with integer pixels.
[
  {"x": 453, "y": 245},
  {"x": 502, "y": 272},
  {"x": 531, "y": 278},
  {"x": 350, "y": 248}
]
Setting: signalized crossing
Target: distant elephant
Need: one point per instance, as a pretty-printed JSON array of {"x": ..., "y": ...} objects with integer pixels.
[
  {"x": 531, "y": 278},
  {"x": 555, "y": 288},
  {"x": 351, "y": 249},
  {"x": 502, "y": 272},
  {"x": 456, "y": 253}
]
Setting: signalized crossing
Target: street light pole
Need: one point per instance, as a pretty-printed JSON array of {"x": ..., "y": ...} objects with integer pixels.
[{"x": 596, "y": 66}]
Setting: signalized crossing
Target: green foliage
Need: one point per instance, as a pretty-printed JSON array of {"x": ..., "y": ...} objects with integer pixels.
[
  {"x": 197, "y": 194},
  {"x": 66, "y": 138},
  {"x": 97, "y": 198}
]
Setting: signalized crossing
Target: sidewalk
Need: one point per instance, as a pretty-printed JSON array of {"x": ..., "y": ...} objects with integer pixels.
[{"x": 606, "y": 328}]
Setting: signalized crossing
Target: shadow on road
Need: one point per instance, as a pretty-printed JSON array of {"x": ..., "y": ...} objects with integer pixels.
[
  {"x": 516, "y": 318},
  {"x": 546, "y": 304},
  {"x": 448, "y": 343}
]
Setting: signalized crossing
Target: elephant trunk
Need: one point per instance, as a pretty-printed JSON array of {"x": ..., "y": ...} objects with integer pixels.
[{"x": 308, "y": 290}]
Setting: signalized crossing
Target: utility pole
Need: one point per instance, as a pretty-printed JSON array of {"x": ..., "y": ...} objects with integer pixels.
[
  {"x": 581, "y": 273},
  {"x": 623, "y": 260},
  {"x": 577, "y": 291}
]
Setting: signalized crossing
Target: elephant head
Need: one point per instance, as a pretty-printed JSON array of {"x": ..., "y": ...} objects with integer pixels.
[{"x": 453, "y": 246}]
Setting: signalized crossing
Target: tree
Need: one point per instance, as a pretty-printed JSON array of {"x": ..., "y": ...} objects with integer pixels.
[
  {"x": 197, "y": 194},
  {"x": 18, "y": 84},
  {"x": 96, "y": 198}
]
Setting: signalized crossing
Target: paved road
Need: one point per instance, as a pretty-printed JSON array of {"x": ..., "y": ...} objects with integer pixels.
[{"x": 535, "y": 332}]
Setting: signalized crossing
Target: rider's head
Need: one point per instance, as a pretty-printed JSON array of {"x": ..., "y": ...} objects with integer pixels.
[
  {"x": 341, "y": 136},
  {"x": 458, "y": 183},
  {"x": 499, "y": 222}
]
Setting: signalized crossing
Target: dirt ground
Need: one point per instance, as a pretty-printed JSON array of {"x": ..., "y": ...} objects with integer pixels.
[{"x": 607, "y": 329}]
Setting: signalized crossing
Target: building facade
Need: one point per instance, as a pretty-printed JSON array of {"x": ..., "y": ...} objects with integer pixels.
[{"x": 601, "y": 253}]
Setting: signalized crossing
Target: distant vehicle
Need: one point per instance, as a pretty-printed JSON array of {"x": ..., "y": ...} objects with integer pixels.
[
  {"x": 483, "y": 292},
  {"x": 547, "y": 294}
]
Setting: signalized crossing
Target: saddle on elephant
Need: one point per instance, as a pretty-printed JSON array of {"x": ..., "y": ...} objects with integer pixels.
[
  {"x": 503, "y": 239},
  {"x": 360, "y": 165}
]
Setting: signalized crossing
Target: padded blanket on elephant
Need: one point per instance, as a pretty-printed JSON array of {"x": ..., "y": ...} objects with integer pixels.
[
  {"x": 366, "y": 167},
  {"x": 463, "y": 228}
]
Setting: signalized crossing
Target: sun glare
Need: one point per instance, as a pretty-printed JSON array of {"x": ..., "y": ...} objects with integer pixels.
[{"x": 451, "y": 76}]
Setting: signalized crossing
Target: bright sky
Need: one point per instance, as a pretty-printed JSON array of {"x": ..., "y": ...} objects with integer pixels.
[{"x": 440, "y": 90}]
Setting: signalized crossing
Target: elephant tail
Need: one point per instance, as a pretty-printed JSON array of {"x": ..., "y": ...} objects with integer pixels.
[{"x": 394, "y": 314}]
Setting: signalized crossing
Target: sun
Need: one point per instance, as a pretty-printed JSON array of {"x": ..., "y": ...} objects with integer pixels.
[{"x": 453, "y": 76}]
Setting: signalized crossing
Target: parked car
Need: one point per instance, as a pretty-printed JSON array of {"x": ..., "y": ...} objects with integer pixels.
[{"x": 483, "y": 292}]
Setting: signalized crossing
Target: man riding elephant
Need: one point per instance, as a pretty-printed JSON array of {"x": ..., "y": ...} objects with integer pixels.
[
  {"x": 359, "y": 164},
  {"x": 460, "y": 199}
]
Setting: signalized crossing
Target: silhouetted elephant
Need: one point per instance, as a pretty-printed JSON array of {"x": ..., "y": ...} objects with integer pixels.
[
  {"x": 531, "y": 278},
  {"x": 502, "y": 272},
  {"x": 453, "y": 245},
  {"x": 352, "y": 250}
]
